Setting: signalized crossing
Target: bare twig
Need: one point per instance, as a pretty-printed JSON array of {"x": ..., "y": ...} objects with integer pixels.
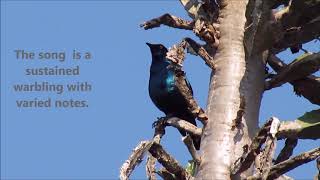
[
  {"x": 184, "y": 125},
  {"x": 168, "y": 20},
  {"x": 287, "y": 150},
  {"x": 151, "y": 167},
  {"x": 168, "y": 162},
  {"x": 134, "y": 159},
  {"x": 188, "y": 142},
  {"x": 199, "y": 50},
  {"x": 157, "y": 151}
]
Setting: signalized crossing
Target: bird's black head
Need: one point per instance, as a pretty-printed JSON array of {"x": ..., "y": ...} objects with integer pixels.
[{"x": 158, "y": 50}]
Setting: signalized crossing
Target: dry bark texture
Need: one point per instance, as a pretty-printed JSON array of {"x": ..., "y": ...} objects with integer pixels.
[{"x": 234, "y": 76}]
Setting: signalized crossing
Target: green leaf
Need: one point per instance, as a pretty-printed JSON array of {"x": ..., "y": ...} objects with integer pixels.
[
  {"x": 191, "y": 167},
  {"x": 310, "y": 124}
]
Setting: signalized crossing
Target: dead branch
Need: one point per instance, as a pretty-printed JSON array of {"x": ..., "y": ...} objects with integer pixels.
[
  {"x": 245, "y": 161},
  {"x": 156, "y": 150},
  {"x": 285, "y": 166},
  {"x": 151, "y": 167},
  {"x": 292, "y": 163},
  {"x": 287, "y": 150},
  {"x": 192, "y": 150},
  {"x": 168, "y": 20},
  {"x": 207, "y": 32},
  {"x": 184, "y": 125},
  {"x": 134, "y": 159},
  {"x": 199, "y": 50},
  {"x": 183, "y": 88},
  {"x": 270, "y": 147},
  {"x": 267, "y": 156},
  {"x": 168, "y": 162}
]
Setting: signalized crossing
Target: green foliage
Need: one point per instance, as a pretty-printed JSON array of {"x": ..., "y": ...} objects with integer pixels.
[
  {"x": 310, "y": 124},
  {"x": 191, "y": 167}
]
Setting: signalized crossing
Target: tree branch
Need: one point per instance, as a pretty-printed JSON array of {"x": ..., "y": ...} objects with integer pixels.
[
  {"x": 285, "y": 166},
  {"x": 192, "y": 150},
  {"x": 249, "y": 154},
  {"x": 292, "y": 163},
  {"x": 299, "y": 22},
  {"x": 298, "y": 69},
  {"x": 294, "y": 129},
  {"x": 135, "y": 159},
  {"x": 151, "y": 168},
  {"x": 165, "y": 174},
  {"x": 207, "y": 32},
  {"x": 168, "y": 162},
  {"x": 287, "y": 150},
  {"x": 308, "y": 87},
  {"x": 199, "y": 50},
  {"x": 270, "y": 147},
  {"x": 168, "y": 20},
  {"x": 184, "y": 125},
  {"x": 296, "y": 36},
  {"x": 183, "y": 88}
]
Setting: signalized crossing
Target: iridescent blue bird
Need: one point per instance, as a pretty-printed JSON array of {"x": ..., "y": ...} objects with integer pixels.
[{"x": 163, "y": 90}]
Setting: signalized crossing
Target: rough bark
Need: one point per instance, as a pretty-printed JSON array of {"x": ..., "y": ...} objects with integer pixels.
[{"x": 234, "y": 76}]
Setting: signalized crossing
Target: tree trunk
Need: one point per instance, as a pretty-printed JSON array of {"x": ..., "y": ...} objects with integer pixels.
[{"x": 235, "y": 76}]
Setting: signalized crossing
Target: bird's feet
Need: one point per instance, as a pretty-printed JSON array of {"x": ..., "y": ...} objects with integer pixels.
[{"x": 161, "y": 121}]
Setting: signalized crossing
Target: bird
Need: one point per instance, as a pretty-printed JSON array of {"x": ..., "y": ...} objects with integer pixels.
[{"x": 164, "y": 92}]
